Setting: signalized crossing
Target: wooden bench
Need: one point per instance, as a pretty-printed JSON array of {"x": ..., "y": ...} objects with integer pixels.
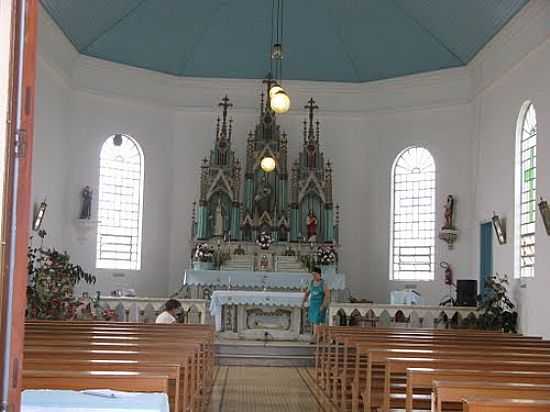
[
  {"x": 423, "y": 378},
  {"x": 505, "y": 405},
  {"x": 171, "y": 370},
  {"x": 451, "y": 391},
  {"x": 80, "y": 380},
  {"x": 341, "y": 345},
  {"x": 128, "y": 349}
]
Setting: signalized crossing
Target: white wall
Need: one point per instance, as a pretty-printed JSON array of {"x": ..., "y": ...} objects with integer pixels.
[
  {"x": 498, "y": 107},
  {"x": 363, "y": 128}
]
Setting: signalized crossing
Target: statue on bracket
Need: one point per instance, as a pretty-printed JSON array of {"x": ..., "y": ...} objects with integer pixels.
[
  {"x": 449, "y": 212},
  {"x": 86, "y": 207}
]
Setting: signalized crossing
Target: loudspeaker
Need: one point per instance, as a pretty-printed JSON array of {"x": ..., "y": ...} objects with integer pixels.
[{"x": 466, "y": 292}]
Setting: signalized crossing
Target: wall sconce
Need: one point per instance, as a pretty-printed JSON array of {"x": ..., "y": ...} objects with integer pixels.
[
  {"x": 545, "y": 214},
  {"x": 500, "y": 228},
  {"x": 39, "y": 216}
]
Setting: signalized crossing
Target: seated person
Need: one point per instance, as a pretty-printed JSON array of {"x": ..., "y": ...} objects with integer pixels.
[{"x": 170, "y": 309}]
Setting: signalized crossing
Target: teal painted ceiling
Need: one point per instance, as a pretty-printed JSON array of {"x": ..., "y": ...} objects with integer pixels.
[{"x": 327, "y": 40}]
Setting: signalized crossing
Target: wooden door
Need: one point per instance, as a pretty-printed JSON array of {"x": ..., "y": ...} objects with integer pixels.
[{"x": 16, "y": 202}]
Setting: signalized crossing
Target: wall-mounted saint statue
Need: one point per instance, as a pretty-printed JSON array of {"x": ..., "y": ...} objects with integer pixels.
[
  {"x": 86, "y": 203},
  {"x": 449, "y": 212}
]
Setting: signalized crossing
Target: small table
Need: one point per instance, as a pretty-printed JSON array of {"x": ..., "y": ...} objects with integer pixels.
[
  {"x": 255, "y": 313},
  {"x": 92, "y": 401}
]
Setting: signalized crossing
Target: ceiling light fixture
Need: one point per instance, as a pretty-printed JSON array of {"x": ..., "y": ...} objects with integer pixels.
[
  {"x": 278, "y": 97},
  {"x": 267, "y": 164}
]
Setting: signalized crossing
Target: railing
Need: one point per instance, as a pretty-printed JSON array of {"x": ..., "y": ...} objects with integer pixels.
[
  {"x": 404, "y": 316},
  {"x": 136, "y": 309}
]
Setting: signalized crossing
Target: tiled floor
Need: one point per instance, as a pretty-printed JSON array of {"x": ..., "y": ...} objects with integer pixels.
[{"x": 258, "y": 389}]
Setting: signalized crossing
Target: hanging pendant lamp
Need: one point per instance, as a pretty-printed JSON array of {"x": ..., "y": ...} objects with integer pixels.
[{"x": 278, "y": 97}]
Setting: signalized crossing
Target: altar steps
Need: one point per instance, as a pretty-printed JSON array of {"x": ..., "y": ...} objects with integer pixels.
[
  {"x": 239, "y": 263},
  {"x": 287, "y": 354}
]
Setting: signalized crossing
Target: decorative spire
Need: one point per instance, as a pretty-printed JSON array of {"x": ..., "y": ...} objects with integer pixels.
[
  {"x": 305, "y": 131},
  {"x": 311, "y": 107},
  {"x": 317, "y": 130},
  {"x": 231, "y": 129},
  {"x": 224, "y": 104}
]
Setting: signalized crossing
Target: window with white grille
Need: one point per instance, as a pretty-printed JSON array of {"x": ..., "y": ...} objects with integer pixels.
[
  {"x": 120, "y": 204},
  {"x": 413, "y": 216},
  {"x": 526, "y": 205}
]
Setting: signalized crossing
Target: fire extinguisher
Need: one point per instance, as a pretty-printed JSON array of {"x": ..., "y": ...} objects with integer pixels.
[{"x": 448, "y": 273}]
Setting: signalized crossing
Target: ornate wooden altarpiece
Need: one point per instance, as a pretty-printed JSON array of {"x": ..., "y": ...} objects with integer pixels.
[{"x": 293, "y": 204}]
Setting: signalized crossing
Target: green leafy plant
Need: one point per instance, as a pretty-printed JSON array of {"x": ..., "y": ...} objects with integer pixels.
[
  {"x": 52, "y": 279},
  {"x": 497, "y": 311}
]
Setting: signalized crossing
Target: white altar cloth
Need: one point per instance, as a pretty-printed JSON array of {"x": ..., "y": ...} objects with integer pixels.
[
  {"x": 92, "y": 401},
  {"x": 269, "y": 280},
  {"x": 241, "y": 297}
]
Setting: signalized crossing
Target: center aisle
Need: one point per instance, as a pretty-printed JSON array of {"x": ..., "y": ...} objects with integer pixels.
[{"x": 243, "y": 389}]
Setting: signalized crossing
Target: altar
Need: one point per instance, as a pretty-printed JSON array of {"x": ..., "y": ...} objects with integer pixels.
[{"x": 259, "y": 315}]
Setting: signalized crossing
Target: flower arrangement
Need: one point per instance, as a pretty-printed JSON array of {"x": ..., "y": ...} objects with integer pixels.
[
  {"x": 52, "y": 278},
  {"x": 204, "y": 253},
  {"x": 326, "y": 255},
  {"x": 264, "y": 240}
]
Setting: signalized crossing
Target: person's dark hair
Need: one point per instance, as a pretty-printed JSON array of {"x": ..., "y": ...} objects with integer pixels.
[
  {"x": 172, "y": 304},
  {"x": 316, "y": 269}
]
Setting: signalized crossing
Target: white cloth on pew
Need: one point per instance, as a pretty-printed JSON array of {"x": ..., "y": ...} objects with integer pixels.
[
  {"x": 103, "y": 400},
  {"x": 257, "y": 298}
]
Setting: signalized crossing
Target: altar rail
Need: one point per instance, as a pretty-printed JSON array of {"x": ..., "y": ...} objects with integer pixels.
[
  {"x": 405, "y": 316},
  {"x": 136, "y": 309}
]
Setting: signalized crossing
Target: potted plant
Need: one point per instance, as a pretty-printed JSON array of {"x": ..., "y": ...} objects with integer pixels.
[
  {"x": 52, "y": 279},
  {"x": 497, "y": 311}
]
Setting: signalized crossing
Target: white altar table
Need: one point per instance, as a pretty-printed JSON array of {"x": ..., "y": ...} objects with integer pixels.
[
  {"x": 92, "y": 401},
  {"x": 269, "y": 280},
  {"x": 257, "y": 312}
]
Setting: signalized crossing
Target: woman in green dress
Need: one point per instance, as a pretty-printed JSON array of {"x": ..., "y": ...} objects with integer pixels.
[{"x": 319, "y": 298}]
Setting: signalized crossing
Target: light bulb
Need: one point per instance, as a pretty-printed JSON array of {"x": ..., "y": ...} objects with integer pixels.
[
  {"x": 280, "y": 102},
  {"x": 267, "y": 164},
  {"x": 274, "y": 89}
]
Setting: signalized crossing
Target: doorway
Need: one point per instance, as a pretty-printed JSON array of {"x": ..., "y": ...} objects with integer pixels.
[{"x": 485, "y": 254}]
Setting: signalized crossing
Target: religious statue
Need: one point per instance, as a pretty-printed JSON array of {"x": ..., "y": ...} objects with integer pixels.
[
  {"x": 311, "y": 224},
  {"x": 449, "y": 212},
  {"x": 86, "y": 209},
  {"x": 218, "y": 225},
  {"x": 263, "y": 198},
  {"x": 239, "y": 250}
]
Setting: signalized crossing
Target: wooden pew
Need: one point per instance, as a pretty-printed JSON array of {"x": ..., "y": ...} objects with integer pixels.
[
  {"x": 451, "y": 391},
  {"x": 171, "y": 370},
  {"x": 377, "y": 358},
  {"x": 460, "y": 338},
  {"x": 134, "y": 344},
  {"x": 505, "y": 405},
  {"x": 423, "y": 378},
  {"x": 80, "y": 380}
]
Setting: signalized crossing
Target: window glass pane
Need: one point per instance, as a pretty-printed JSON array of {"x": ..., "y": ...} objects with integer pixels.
[
  {"x": 413, "y": 216},
  {"x": 120, "y": 204},
  {"x": 528, "y": 194}
]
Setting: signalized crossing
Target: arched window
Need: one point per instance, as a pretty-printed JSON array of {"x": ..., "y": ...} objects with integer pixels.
[
  {"x": 413, "y": 215},
  {"x": 120, "y": 204},
  {"x": 526, "y": 191}
]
